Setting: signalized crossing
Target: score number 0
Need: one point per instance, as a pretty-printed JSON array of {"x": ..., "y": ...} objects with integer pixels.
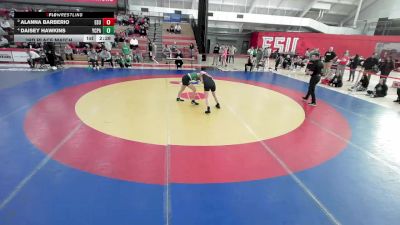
[
  {"x": 104, "y": 22},
  {"x": 108, "y": 21}
]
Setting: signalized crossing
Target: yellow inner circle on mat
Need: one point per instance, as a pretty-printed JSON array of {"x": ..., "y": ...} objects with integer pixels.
[{"x": 147, "y": 111}]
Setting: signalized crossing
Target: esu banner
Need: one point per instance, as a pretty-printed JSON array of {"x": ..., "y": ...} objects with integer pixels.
[{"x": 296, "y": 42}]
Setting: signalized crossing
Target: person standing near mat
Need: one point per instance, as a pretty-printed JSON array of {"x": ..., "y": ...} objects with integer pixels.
[
  {"x": 314, "y": 69},
  {"x": 330, "y": 56},
  {"x": 209, "y": 85},
  {"x": 186, "y": 82}
]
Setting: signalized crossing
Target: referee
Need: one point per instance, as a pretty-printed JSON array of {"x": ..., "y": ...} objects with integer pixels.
[{"x": 314, "y": 69}]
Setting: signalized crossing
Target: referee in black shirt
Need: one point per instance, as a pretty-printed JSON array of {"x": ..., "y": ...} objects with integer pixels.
[{"x": 314, "y": 69}]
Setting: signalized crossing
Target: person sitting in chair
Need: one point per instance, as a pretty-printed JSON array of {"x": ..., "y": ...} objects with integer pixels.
[
  {"x": 361, "y": 85},
  {"x": 68, "y": 52},
  {"x": 166, "y": 51},
  {"x": 178, "y": 60},
  {"x": 92, "y": 58},
  {"x": 250, "y": 63},
  {"x": 128, "y": 61},
  {"x": 119, "y": 60},
  {"x": 33, "y": 57},
  {"x": 105, "y": 56},
  {"x": 380, "y": 89},
  {"x": 178, "y": 29},
  {"x": 171, "y": 29}
]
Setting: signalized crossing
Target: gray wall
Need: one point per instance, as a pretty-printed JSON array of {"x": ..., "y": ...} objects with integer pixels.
[{"x": 235, "y": 39}]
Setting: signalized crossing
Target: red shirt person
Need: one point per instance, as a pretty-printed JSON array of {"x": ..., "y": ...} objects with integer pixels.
[{"x": 342, "y": 63}]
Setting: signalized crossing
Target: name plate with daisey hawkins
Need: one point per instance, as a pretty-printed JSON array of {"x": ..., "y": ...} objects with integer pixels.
[{"x": 59, "y": 30}]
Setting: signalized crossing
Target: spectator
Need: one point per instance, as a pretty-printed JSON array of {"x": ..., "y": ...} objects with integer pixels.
[
  {"x": 92, "y": 58},
  {"x": 355, "y": 61},
  {"x": 278, "y": 61},
  {"x": 191, "y": 50},
  {"x": 86, "y": 47},
  {"x": 99, "y": 48},
  {"x": 224, "y": 56},
  {"x": 342, "y": 63},
  {"x": 315, "y": 51},
  {"x": 5, "y": 25},
  {"x": 266, "y": 55},
  {"x": 128, "y": 61},
  {"x": 386, "y": 67},
  {"x": 137, "y": 56},
  {"x": 68, "y": 52},
  {"x": 297, "y": 61},
  {"x": 134, "y": 43},
  {"x": 59, "y": 61},
  {"x": 131, "y": 21},
  {"x": 250, "y": 63},
  {"x": 137, "y": 29},
  {"x": 119, "y": 60},
  {"x": 221, "y": 51},
  {"x": 4, "y": 42},
  {"x": 307, "y": 54},
  {"x": 216, "y": 54},
  {"x": 232, "y": 52},
  {"x": 166, "y": 51},
  {"x": 152, "y": 51},
  {"x": 174, "y": 48},
  {"x": 287, "y": 62},
  {"x": 380, "y": 89},
  {"x": 146, "y": 26},
  {"x": 125, "y": 49},
  {"x": 171, "y": 29},
  {"x": 370, "y": 65},
  {"x": 259, "y": 55},
  {"x": 125, "y": 20},
  {"x": 329, "y": 57},
  {"x": 50, "y": 53},
  {"x": 119, "y": 19},
  {"x": 121, "y": 37},
  {"x": 179, "y": 61},
  {"x": 275, "y": 55},
  {"x": 252, "y": 51},
  {"x": 142, "y": 21},
  {"x": 142, "y": 32},
  {"x": 33, "y": 57},
  {"x": 177, "y": 29},
  {"x": 3, "y": 32},
  {"x": 107, "y": 46},
  {"x": 105, "y": 56},
  {"x": 361, "y": 85}
]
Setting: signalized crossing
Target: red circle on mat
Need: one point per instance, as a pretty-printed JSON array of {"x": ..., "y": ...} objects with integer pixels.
[
  {"x": 51, "y": 121},
  {"x": 187, "y": 95}
]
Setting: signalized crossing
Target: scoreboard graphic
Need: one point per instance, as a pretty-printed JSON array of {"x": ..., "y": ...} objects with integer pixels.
[{"x": 64, "y": 27}]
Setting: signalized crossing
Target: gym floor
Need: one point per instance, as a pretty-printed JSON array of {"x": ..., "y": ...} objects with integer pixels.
[{"x": 114, "y": 147}]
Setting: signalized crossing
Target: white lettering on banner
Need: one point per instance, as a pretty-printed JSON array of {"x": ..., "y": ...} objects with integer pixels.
[
  {"x": 294, "y": 44},
  {"x": 279, "y": 43},
  {"x": 5, "y": 56},
  {"x": 288, "y": 41},
  {"x": 267, "y": 42},
  {"x": 282, "y": 43}
]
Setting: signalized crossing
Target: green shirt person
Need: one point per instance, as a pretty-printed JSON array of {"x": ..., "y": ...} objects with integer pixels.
[
  {"x": 125, "y": 49},
  {"x": 128, "y": 61},
  {"x": 186, "y": 82}
]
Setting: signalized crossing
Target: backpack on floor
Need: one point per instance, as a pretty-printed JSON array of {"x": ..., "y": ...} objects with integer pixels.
[{"x": 325, "y": 81}]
